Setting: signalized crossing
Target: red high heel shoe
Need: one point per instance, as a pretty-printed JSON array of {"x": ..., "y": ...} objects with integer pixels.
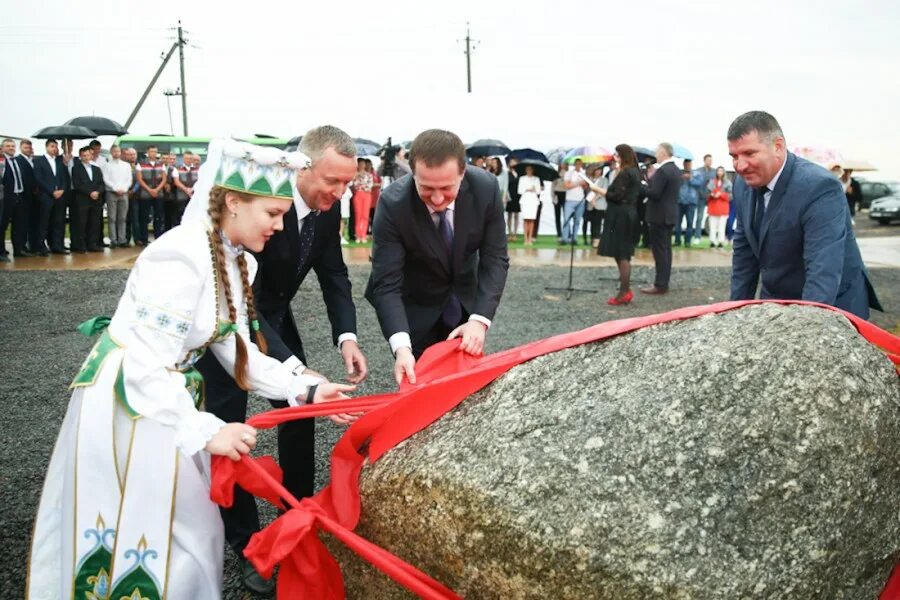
[{"x": 626, "y": 299}]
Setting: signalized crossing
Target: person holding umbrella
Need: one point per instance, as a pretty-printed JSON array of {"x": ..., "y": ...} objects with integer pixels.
[{"x": 529, "y": 189}]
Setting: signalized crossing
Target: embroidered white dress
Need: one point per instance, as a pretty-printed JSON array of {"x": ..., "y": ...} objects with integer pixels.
[{"x": 125, "y": 509}]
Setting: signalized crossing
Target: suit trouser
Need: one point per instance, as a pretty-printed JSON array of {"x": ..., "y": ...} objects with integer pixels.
[
  {"x": 56, "y": 232},
  {"x": 296, "y": 442},
  {"x": 117, "y": 213},
  {"x": 88, "y": 219},
  {"x": 661, "y": 246},
  {"x": 15, "y": 216},
  {"x": 438, "y": 333},
  {"x": 686, "y": 215},
  {"x": 39, "y": 222}
]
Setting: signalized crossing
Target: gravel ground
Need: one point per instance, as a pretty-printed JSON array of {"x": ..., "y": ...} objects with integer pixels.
[{"x": 41, "y": 352}]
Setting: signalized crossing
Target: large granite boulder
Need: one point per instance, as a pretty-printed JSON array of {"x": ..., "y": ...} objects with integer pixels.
[{"x": 751, "y": 454}]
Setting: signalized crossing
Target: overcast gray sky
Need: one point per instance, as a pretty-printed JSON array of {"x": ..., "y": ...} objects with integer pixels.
[{"x": 545, "y": 74}]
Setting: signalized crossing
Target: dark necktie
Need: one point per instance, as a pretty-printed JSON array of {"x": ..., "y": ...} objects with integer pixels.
[
  {"x": 17, "y": 176},
  {"x": 307, "y": 229},
  {"x": 452, "y": 313},
  {"x": 759, "y": 210}
]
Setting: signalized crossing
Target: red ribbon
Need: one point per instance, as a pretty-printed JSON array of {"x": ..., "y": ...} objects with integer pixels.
[{"x": 445, "y": 378}]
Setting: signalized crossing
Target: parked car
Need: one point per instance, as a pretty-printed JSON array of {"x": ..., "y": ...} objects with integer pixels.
[
  {"x": 872, "y": 190},
  {"x": 884, "y": 210}
]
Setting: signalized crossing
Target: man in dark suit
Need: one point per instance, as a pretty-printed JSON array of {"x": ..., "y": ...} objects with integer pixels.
[
  {"x": 439, "y": 259},
  {"x": 52, "y": 177},
  {"x": 16, "y": 202},
  {"x": 793, "y": 227},
  {"x": 661, "y": 213},
  {"x": 88, "y": 212},
  {"x": 309, "y": 241}
]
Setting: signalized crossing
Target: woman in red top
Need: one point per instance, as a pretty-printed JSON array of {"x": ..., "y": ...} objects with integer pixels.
[
  {"x": 362, "y": 200},
  {"x": 717, "y": 207}
]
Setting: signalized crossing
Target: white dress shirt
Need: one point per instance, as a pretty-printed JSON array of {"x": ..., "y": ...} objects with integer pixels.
[
  {"x": 401, "y": 339},
  {"x": 90, "y": 171},
  {"x": 17, "y": 174},
  {"x": 771, "y": 185},
  {"x": 303, "y": 210},
  {"x": 117, "y": 175},
  {"x": 52, "y": 161}
]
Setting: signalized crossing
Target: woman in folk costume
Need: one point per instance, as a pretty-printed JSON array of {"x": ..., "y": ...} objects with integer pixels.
[{"x": 125, "y": 511}]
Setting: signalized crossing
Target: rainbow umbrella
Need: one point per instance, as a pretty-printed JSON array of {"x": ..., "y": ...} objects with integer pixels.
[{"x": 588, "y": 154}]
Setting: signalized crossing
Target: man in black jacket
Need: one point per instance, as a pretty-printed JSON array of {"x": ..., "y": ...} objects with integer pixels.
[
  {"x": 88, "y": 211},
  {"x": 309, "y": 241},
  {"x": 52, "y": 177},
  {"x": 439, "y": 259},
  {"x": 661, "y": 214}
]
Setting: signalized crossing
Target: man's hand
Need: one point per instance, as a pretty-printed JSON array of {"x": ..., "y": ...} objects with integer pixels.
[
  {"x": 95, "y": 195},
  {"x": 57, "y": 194},
  {"x": 472, "y": 333},
  {"x": 357, "y": 367},
  {"x": 154, "y": 193},
  {"x": 404, "y": 364}
]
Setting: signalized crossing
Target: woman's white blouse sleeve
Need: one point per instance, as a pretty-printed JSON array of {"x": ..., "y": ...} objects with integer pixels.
[{"x": 164, "y": 292}]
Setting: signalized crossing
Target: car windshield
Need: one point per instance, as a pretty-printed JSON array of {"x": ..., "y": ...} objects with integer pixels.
[{"x": 894, "y": 187}]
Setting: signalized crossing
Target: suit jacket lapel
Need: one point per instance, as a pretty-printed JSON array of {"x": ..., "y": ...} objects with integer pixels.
[
  {"x": 775, "y": 200},
  {"x": 747, "y": 218},
  {"x": 426, "y": 230},
  {"x": 461, "y": 220}
]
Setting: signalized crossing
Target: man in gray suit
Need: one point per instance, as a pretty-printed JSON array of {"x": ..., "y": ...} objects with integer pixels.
[
  {"x": 793, "y": 228},
  {"x": 662, "y": 212},
  {"x": 439, "y": 259}
]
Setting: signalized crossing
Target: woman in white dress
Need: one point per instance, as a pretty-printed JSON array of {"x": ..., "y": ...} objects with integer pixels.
[
  {"x": 125, "y": 510},
  {"x": 529, "y": 200}
]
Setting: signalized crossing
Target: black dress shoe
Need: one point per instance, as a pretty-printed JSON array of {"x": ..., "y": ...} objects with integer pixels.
[
  {"x": 44, "y": 253},
  {"x": 23, "y": 254},
  {"x": 94, "y": 249},
  {"x": 253, "y": 581},
  {"x": 60, "y": 252}
]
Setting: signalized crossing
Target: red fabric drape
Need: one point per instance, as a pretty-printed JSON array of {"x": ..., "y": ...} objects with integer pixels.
[{"x": 445, "y": 378}]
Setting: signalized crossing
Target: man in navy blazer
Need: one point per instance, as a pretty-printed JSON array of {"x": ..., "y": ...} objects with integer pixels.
[
  {"x": 52, "y": 176},
  {"x": 793, "y": 229}
]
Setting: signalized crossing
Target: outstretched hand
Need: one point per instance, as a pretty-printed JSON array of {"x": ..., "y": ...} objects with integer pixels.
[
  {"x": 330, "y": 392},
  {"x": 355, "y": 361},
  {"x": 404, "y": 365},
  {"x": 232, "y": 440}
]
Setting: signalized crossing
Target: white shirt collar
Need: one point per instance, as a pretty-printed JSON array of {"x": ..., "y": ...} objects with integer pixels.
[
  {"x": 451, "y": 207},
  {"x": 771, "y": 186},
  {"x": 300, "y": 205},
  {"x": 230, "y": 249},
  {"x": 671, "y": 159}
]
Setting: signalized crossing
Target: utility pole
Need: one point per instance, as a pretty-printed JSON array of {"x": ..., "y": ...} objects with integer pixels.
[
  {"x": 468, "y": 58},
  {"x": 183, "y": 88},
  {"x": 179, "y": 43}
]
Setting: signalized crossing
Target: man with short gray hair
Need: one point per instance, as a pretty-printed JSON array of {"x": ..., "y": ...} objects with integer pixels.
[
  {"x": 662, "y": 212},
  {"x": 309, "y": 241},
  {"x": 792, "y": 231}
]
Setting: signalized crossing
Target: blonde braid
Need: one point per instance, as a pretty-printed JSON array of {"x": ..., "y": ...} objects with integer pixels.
[
  {"x": 251, "y": 304},
  {"x": 216, "y": 203}
]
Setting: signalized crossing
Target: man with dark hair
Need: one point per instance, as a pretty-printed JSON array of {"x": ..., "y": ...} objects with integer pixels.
[
  {"x": 439, "y": 259},
  {"x": 52, "y": 177},
  {"x": 308, "y": 242},
  {"x": 662, "y": 189},
  {"x": 88, "y": 210},
  {"x": 151, "y": 177},
  {"x": 793, "y": 231}
]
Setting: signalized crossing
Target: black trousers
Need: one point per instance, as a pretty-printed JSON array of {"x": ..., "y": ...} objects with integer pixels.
[
  {"x": 438, "y": 333},
  {"x": 39, "y": 223},
  {"x": 145, "y": 208},
  {"x": 296, "y": 439},
  {"x": 15, "y": 214},
  {"x": 86, "y": 223},
  {"x": 56, "y": 231},
  {"x": 661, "y": 246},
  {"x": 558, "y": 212}
]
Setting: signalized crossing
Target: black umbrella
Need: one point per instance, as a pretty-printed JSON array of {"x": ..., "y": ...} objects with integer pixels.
[
  {"x": 293, "y": 143},
  {"x": 367, "y": 142},
  {"x": 68, "y": 132},
  {"x": 99, "y": 125},
  {"x": 486, "y": 147},
  {"x": 542, "y": 169},
  {"x": 527, "y": 153}
]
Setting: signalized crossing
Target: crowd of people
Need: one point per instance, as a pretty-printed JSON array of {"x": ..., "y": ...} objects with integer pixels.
[{"x": 40, "y": 194}]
